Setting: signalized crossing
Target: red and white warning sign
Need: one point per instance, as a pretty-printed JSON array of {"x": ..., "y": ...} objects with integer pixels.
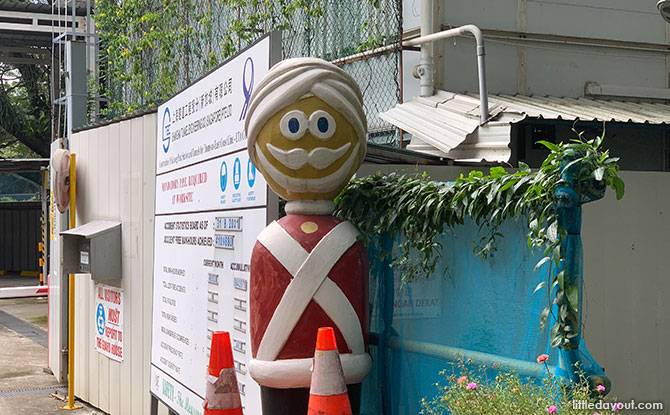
[{"x": 108, "y": 328}]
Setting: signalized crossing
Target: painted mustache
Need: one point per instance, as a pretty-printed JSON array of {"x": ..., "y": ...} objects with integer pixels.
[{"x": 319, "y": 158}]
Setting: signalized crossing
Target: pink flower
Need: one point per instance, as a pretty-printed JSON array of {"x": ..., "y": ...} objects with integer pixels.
[
  {"x": 552, "y": 409},
  {"x": 458, "y": 403},
  {"x": 461, "y": 379},
  {"x": 617, "y": 407},
  {"x": 471, "y": 385},
  {"x": 541, "y": 359},
  {"x": 495, "y": 365},
  {"x": 600, "y": 388}
]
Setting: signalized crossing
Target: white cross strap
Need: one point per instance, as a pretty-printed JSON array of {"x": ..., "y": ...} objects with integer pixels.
[{"x": 310, "y": 281}]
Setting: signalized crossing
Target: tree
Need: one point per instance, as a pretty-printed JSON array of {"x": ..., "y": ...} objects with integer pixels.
[{"x": 25, "y": 115}]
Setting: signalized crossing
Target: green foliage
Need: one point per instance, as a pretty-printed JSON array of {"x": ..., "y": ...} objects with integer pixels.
[
  {"x": 507, "y": 394},
  {"x": 25, "y": 115},
  {"x": 419, "y": 210},
  {"x": 150, "y": 49},
  {"x": 145, "y": 47}
]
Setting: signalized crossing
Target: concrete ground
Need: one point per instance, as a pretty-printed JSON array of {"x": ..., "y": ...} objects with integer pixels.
[{"x": 27, "y": 386}]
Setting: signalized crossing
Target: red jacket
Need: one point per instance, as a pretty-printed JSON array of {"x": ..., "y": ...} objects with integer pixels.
[{"x": 295, "y": 238}]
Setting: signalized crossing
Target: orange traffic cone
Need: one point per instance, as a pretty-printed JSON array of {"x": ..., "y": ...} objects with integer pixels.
[
  {"x": 328, "y": 392},
  {"x": 222, "y": 395}
]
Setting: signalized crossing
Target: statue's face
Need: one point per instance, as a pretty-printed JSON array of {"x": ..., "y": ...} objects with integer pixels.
[{"x": 307, "y": 150}]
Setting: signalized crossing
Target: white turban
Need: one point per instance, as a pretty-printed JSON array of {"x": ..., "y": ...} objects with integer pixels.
[{"x": 291, "y": 79}]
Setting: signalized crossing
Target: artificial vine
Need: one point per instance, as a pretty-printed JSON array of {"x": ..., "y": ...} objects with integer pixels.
[{"x": 419, "y": 209}]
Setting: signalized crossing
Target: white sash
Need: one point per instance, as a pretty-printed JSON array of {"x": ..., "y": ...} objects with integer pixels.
[{"x": 310, "y": 281}]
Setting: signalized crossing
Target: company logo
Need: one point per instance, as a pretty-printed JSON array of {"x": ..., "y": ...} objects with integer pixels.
[
  {"x": 167, "y": 120},
  {"x": 251, "y": 173},
  {"x": 100, "y": 319},
  {"x": 237, "y": 173},
  {"x": 247, "y": 88},
  {"x": 224, "y": 176}
]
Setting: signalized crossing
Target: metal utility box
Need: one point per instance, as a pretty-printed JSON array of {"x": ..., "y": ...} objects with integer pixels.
[{"x": 93, "y": 248}]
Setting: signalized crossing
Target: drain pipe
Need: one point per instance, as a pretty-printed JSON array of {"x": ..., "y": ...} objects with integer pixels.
[
  {"x": 459, "y": 31},
  {"x": 425, "y": 68}
]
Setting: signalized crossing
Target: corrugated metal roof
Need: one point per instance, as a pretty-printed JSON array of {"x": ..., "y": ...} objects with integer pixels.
[
  {"x": 584, "y": 109},
  {"x": 23, "y": 165},
  {"x": 448, "y": 124},
  {"x": 383, "y": 154}
]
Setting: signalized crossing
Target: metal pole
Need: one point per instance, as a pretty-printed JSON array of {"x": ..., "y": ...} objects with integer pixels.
[
  {"x": 45, "y": 226},
  {"x": 400, "y": 71},
  {"x": 440, "y": 351},
  {"x": 70, "y": 329},
  {"x": 483, "y": 92},
  {"x": 74, "y": 15},
  {"x": 426, "y": 61}
]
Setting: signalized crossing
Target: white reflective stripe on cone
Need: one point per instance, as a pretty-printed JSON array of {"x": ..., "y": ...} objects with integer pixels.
[
  {"x": 327, "y": 377},
  {"x": 222, "y": 392}
]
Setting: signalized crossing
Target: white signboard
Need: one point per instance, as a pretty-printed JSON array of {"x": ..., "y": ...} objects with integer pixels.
[
  {"x": 108, "y": 330},
  {"x": 222, "y": 183},
  {"x": 174, "y": 394},
  {"x": 206, "y": 120},
  {"x": 210, "y": 207}
]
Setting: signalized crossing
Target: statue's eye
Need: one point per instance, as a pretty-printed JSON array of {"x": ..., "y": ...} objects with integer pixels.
[
  {"x": 322, "y": 125},
  {"x": 293, "y": 125}
]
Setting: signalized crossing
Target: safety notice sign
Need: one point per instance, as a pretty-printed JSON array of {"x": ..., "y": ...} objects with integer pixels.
[
  {"x": 210, "y": 207},
  {"x": 108, "y": 330}
]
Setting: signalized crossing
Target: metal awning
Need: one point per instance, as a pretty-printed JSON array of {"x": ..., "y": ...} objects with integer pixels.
[
  {"x": 383, "y": 154},
  {"x": 448, "y": 124},
  {"x": 23, "y": 165},
  {"x": 28, "y": 25},
  {"x": 93, "y": 228}
]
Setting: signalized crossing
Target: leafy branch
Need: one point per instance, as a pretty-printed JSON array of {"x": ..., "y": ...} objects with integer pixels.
[
  {"x": 150, "y": 49},
  {"x": 419, "y": 210}
]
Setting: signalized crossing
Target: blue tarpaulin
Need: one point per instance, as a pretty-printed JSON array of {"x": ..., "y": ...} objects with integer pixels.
[{"x": 481, "y": 309}]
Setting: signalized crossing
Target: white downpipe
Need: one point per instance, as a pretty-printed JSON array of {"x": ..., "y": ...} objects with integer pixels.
[
  {"x": 426, "y": 61},
  {"x": 481, "y": 62}
]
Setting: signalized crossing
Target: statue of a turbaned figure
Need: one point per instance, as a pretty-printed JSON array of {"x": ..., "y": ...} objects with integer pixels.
[{"x": 306, "y": 133}]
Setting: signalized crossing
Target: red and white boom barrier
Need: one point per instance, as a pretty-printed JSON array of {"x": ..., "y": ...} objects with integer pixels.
[{"x": 23, "y": 292}]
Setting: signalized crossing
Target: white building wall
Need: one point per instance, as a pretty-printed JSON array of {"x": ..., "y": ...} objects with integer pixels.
[
  {"x": 116, "y": 180},
  {"x": 546, "y": 68},
  {"x": 637, "y": 21},
  {"x": 627, "y": 287}
]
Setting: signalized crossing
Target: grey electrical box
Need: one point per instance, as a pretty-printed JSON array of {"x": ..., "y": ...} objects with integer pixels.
[{"x": 93, "y": 248}]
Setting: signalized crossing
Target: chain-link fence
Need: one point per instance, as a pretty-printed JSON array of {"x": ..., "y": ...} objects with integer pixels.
[{"x": 185, "y": 39}]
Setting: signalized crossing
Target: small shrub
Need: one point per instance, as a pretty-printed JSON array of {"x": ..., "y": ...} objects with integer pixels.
[{"x": 470, "y": 390}]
